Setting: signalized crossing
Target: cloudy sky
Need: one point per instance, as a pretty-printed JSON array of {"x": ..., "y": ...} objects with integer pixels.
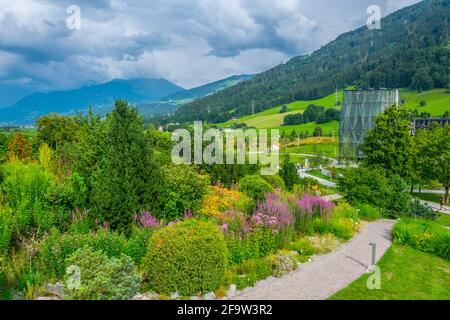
[{"x": 189, "y": 42}]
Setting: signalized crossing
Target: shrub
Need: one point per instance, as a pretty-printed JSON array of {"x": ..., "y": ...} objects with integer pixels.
[
  {"x": 303, "y": 247},
  {"x": 102, "y": 278},
  {"x": 424, "y": 211},
  {"x": 219, "y": 200},
  {"x": 6, "y": 225},
  {"x": 57, "y": 247},
  {"x": 372, "y": 186},
  {"x": 275, "y": 181},
  {"x": 188, "y": 257},
  {"x": 283, "y": 263},
  {"x": 368, "y": 212},
  {"x": 183, "y": 189},
  {"x": 256, "y": 244},
  {"x": 423, "y": 235},
  {"x": 137, "y": 244},
  {"x": 246, "y": 274},
  {"x": 26, "y": 187},
  {"x": 255, "y": 187}
]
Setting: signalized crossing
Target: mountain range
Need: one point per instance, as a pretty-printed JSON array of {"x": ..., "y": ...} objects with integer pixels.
[
  {"x": 151, "y": 96},
  {"x": 411, "y": 50}
]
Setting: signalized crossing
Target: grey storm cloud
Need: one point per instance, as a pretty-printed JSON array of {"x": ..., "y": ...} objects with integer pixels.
[{"x": 189, "y": 42}]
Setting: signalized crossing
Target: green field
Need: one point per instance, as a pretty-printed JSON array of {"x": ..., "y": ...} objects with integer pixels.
[
  {"x": 327, "y": 149},
  {"x": 428, "y": 197},
  {"x": 438, "y": 101},
  {"x": 429, "y": 279}
]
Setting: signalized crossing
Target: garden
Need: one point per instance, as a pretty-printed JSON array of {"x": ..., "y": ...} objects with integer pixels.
[{"x": 93, "y": 209}]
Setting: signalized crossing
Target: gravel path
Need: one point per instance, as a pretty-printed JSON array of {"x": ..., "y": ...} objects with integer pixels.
[{"x": 327, "y": 274}]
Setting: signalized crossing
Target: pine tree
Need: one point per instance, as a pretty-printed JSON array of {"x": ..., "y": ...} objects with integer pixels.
[{"x": 128, "y": 178}]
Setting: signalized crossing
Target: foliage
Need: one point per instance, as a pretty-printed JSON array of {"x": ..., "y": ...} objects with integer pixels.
[
  {"x": 45, "y": 156},
  {"x": 183, "y": 189},
  {"x": 6, "y": 229},
  {"x": 424, "y": 211},
  {"x": 289, "y": 173},
  {"x": 27, "y": 188},
  {"x": 423, "y": 235},
  {"x": 129, "y": 178},
  {"x": 283, "y": 262},
  {"x": 256, "y": 243},
  {"x": 19, "y": 148},
  {"x": 303, "y": 247},
  {"x": 248, "y": 272},
  {"x": 307, "y": 209},
  {"x": 219, "y": 200},
  {"x": 368, "y": 212},
  {"x": 57, "y": 247},
  {"x": 433, "y": 148},
  {"x": 102, "y": 278},
  {"x": 188, "y": 258},
  {"x": 255, "y": 187},
  {"x": 275, "y": 181},
  {"x": 372, "y": 186},
  {"x": 390, "y": 144},
  {"x": 55, "y": 130}
]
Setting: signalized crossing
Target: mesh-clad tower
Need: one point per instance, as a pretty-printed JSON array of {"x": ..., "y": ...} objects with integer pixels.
[{"x": 359, "y": 108}]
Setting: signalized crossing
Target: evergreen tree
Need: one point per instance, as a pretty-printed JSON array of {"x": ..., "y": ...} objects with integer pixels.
[
  {"x": 289, "y": 173},
  {"x": 128, "y": 178}
]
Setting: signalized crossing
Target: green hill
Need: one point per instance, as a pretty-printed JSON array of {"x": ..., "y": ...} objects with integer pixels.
[
  {"x": 437, "y": 102},
  {"x": 410, "y": 51}
]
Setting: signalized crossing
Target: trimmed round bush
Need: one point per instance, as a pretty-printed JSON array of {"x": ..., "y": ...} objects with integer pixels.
[
  {"x": 255, "y": 187},
  {"x": 188, "y": 257}
]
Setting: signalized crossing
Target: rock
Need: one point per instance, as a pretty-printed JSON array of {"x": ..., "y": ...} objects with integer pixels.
[
  {"x": 138, "y": 297},
  {"x": 210, "y": 296},
  {"x": 175, "y": 296},
  {"x": 194, "y": 298},
  {"x": 55, "y": 289}
]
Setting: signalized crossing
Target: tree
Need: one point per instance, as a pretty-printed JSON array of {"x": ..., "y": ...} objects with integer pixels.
[
  {"x": 3, "y": 144},
  {"x": 318, "y": 132},
  {"x": 433, "y": 160},
  {"x": 128, "y": 179},
  {"x": 19, "y": 148},
  {"x": 422, "y": 80},
  {"x": 284, "y": 108},
  {"x": 289, "y": 173},
  {"x": 55, "y": 129},
  {"x": 390, "y": 145}
]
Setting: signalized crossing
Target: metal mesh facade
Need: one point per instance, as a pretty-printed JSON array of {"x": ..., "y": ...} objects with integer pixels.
[{"x": 359, "y": 108}]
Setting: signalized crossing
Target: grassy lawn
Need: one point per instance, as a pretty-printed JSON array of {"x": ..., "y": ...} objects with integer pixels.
[
  {"x": 438, "y": 101},
  {"x": 444, "y": 220},
  {"x": 327, "y": 149},
  {"x": 428, "y": 197},
  {"x": 406, "y": 274},
  {"x": 318, "y": 174}
]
